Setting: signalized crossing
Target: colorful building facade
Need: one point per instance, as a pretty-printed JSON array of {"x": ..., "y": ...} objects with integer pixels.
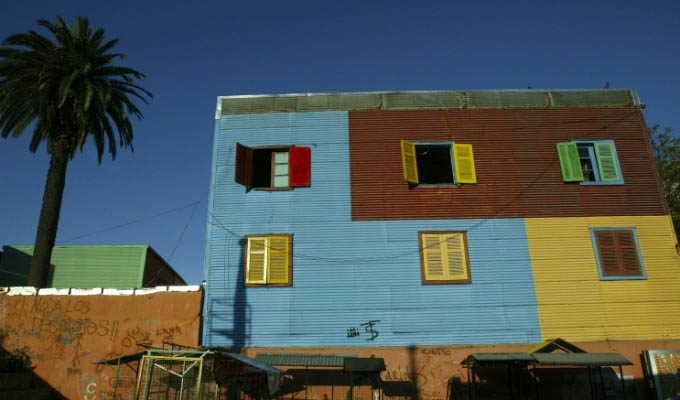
[{"x": 380, "y": 223}]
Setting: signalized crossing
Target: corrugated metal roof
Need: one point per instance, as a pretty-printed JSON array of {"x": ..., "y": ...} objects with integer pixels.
[
  {"x": 581, "y": 359},
  {"x": 371, "y": 364},
  {"x": 547, "y": 359},
  {"x": 303, "y": 360},
  {"x": 500, "y": 357},
  {"x": 418, "y": 100}
]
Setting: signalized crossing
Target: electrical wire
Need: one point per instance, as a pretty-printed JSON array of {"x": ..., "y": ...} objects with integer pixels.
[
  {"x": 131, "y": 222},
  {"x": 590, "y": 135}
]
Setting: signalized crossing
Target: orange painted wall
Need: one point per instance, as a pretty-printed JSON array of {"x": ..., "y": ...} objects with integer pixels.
[
  {"x": 433, "y": 368},
  {"x": 66, "y": 334}
]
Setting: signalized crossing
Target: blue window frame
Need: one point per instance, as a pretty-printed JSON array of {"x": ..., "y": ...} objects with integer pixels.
[{"x": 617, "y": 253}]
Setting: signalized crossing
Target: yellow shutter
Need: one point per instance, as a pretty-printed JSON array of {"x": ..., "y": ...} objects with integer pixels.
[
  {"x": 456, "y": 259},
  {"x": 408, "y": 161},
  {"x": 433, "y": 257},
  {"x": 256, "y": 263},
  {"x": 465, "y": 163},
  {"x": 279, "y": 259}
]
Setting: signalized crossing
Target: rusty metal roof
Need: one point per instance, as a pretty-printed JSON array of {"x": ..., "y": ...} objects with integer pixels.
[
  {"x": 303, "y": 360},
  {"x": 426, "y": 100}
]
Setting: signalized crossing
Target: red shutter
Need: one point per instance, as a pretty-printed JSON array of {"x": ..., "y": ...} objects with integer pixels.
[
  {"x": 300, "y": 166},
  {"x": 244, "y": 165},
  {"x": 606, "y": 246},
  {"x": 628, "y": 255}
]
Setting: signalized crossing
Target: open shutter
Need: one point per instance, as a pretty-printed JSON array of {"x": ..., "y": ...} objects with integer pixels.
[
  {"x": 433, "y": 258},
  {"x": 244, "y": 165},
  {"x": 299, "y": 159},
  {"x": 606, "y": 162},
  {"x": 606, "y": 248},
  {"x": 628, "y": 254},
  {"x": 408, "y": 161},
  {"x": 465, "y": 163},
  {"x": 279, "y": 259},
  {"x": 455, "y": 257},
  {"x": 257, "y": 260},
  {"x": 570, "y": 162}
]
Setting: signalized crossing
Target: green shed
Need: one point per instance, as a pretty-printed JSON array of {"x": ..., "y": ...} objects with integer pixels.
[{"x": 111, "y": 266}]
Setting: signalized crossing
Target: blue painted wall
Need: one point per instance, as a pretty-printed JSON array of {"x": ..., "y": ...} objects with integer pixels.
[{"x": 346, "y": 273}]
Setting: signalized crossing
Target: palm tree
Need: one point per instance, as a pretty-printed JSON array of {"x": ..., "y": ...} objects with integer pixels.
[{"x": 66, "y": 90}]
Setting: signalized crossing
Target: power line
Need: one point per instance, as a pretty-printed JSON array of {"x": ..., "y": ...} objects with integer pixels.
[
  {"x": 191, "y": 217},
  {"x": 482, "y": 220},
  {"x": 132, "y": 222}
]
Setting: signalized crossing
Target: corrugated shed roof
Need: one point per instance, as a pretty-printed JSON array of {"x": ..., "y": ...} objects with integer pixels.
[
  {"x": 303, "y": 360},
  {"x": 500, "y": 357},
  {"x": 427, "y": 100},
  {"x": 582, "y": 359}
]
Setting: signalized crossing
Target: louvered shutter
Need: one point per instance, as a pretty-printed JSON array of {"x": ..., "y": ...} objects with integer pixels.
[
  {"x": 606, "y": 162},
  {"x": 408, "y": 161},
  {"x": 257, "y": 260},
  {"x": 606, "y": 248},
  {"x": 628, "y": 254},
  {"x": 456, "y": 259},
  {"x": 570, "y": 162},
  {"x": 279, "y": 259},
  {"x": 433, "y": 257},
  {"x": 465, "y": 163},
  {"x": 300, "y": 166},
  {"x": 244, "y": 165}
]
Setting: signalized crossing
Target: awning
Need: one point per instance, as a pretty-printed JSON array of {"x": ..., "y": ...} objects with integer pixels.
[
  {"x": 499, "y": 358},
  {"x": 364, "y": 364},
  {"x": 303, "y": 360},
  {"x": 549, "y": 359},
  {"x": 581, "y": 359},
  {"x": 123, "y": 359}
]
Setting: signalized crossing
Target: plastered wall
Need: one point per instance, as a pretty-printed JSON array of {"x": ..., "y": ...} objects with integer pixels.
[{"x": 65, "y": 331}]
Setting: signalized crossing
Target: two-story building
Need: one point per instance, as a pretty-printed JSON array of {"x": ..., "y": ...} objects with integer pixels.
[{"x": 420, "y": 227}]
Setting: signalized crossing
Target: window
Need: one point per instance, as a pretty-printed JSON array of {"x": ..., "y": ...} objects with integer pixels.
[
  {"x": 438, "y": 163},
  {"x": 589, "y": 162},
  {"x": 268, "y": 260},
  {"x": 273, "y": 167},
  {"x": 617, "y": 253},
  {"x": 444, "y": 258}
]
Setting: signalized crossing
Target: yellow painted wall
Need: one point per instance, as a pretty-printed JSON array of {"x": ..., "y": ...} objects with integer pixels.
[{"x": 574, "y": 304}]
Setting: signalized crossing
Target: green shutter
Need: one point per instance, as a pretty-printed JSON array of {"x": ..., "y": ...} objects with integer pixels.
[
  {"x": 606, "y": 162},
  {"x": 569, "y": 162}
]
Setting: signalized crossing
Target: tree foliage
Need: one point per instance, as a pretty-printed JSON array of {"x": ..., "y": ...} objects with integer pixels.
[
  {"x": 667, "y": 152},
  {"x": 67, "y": 89}
]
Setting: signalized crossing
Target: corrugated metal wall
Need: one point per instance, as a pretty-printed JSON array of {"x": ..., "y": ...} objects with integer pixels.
[
  {"x": 518, "y": 171},
  {"x": 345, "y": 272},
  {"x": 574, "y": 304},
  {"x": 85, "y": 266}
]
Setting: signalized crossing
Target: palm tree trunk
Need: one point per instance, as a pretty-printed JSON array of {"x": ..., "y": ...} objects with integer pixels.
[{"x": 49, "y": 213}]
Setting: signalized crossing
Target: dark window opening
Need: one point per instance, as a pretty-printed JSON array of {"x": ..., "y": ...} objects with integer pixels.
[
  {"x": 434, "y": 163},
  {"x": 586, "y": 156},
  {"x": 262, "y": 168}
]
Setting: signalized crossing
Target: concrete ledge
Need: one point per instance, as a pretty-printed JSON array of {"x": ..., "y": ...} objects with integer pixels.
[
  {"x": 86, "y": 292},
  {"x": 118, "y": 292},
  {"x": 22, "y": 291},
  {"x": 32, "y": 291},
  {"x": 52, "y": 291}
]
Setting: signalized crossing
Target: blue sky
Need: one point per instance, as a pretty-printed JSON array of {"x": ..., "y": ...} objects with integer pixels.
[{"x": 193, "y": 53}]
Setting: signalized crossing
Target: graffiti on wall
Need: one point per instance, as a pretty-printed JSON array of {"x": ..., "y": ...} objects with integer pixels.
[
  {"x": 368, "y": 328},
  {"x": 65, "y": 335}
]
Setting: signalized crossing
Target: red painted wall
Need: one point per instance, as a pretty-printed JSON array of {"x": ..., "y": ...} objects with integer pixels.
[
  {"x": 65, "y": 334},
  {"x": 518, "y": 170}
]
